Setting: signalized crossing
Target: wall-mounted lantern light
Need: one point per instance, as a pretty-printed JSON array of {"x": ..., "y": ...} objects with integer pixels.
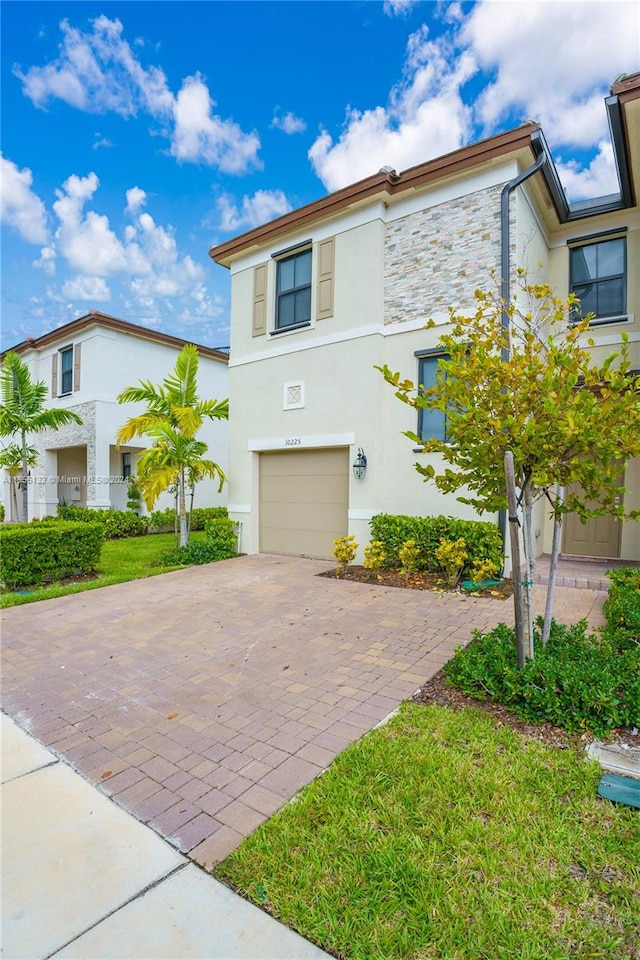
[{"x": 360, "y": 464}]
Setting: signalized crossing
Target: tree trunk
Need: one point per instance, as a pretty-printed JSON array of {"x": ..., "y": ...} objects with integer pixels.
[
  {"x": 25, "y": 480},
  {"x": 518, "y": 606},
  {"x": 553, "y": 568},
  {"x": 529, "y": 563},
  {"x": 184, "y": 539},
  {"x": 15, "y": 513}
]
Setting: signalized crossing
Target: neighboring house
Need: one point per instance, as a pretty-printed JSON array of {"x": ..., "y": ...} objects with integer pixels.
[
  {"x": 85, "y": 364},
  {"x": 324, "y": 293}
]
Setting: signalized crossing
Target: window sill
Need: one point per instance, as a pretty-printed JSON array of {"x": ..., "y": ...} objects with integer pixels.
[
  {"x": 604, "y": 321},
  {"x": 290, "y": 329}
]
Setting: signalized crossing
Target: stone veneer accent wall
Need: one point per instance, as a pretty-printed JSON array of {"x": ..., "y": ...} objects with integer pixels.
[
  {"x": 436, "y": 258},
  {"x": 74, "y": 435}
]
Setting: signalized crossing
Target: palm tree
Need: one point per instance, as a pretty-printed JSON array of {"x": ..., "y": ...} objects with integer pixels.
[
  {"x": 12, "y": 457},
  {"x": 23, "y": 412},
  {"x": 172, "y": 420}
]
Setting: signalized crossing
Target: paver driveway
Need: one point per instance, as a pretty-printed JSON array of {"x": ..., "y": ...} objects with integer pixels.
[{"x": 202, "y": 700}]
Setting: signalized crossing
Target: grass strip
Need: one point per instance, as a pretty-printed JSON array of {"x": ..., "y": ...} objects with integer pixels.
[{"x": 445, "y": 835}]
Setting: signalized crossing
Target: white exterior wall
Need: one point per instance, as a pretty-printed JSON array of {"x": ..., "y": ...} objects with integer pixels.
[{"x": 110, "y": 361}]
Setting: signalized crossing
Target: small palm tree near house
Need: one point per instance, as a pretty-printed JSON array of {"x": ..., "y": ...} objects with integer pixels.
[
  {"x": 22, "y": 412},
  {"x": 12, "y": 457},
  {"x": 172, "y": 419}
]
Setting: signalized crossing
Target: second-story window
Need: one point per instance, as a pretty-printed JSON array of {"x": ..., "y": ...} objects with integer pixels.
[
  {"x": 293, "y": 290},
  {"x": 598, "y": 278},
  {"x": 66, "y": 371}
]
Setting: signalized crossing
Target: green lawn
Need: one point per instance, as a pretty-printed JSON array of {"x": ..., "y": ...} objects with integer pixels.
[
  {"x": 444, "y": 835},
  {"x": 130, "y": 558}
]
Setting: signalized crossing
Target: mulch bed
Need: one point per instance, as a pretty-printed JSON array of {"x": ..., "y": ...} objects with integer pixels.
[{"x": 415, "y": 581}]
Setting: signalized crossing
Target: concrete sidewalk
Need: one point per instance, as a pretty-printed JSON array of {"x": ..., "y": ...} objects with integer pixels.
[{"x": 81, "y": 878}]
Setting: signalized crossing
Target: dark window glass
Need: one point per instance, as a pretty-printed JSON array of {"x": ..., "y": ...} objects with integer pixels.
[
  {"x": 432, "y": 424},
  {"x": 126, "y": 465},
  {"x": 294, "y": 290},
  {"x": 598, "y": 278},
  {"x": 66, "y": 363}
]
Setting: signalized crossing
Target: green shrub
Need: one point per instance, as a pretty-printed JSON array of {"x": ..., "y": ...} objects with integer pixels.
[
  {"x": 482, "y": 539},
  {"x": 1, "y": 512},
  {"x": 576, "y": 681},
  {"x": 117, "y": 523},
  {"x": 31, "y": 553},
  {"x": 222, "y": 536},
  {"x": 163, "y": 521},
  {"x": 222, "y": 546},
  {"x": 622, "y": 608}
]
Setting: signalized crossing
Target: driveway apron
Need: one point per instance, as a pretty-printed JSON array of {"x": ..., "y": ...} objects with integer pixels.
[{"x": 202, "y": 700}]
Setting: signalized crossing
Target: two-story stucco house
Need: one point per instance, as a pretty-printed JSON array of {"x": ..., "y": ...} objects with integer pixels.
[
  {"x": 85, "y": 365},
  {"x": 323, "y": 294}
]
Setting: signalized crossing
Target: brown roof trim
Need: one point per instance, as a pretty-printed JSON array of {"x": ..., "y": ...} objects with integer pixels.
[
  {"x": 389, "y": 183},
  {"x": 113, "y": 323},
  {"x": 627, "y": 87}
]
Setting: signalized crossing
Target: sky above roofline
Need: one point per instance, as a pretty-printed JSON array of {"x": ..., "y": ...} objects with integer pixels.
[{"x": 134, "y": 143}]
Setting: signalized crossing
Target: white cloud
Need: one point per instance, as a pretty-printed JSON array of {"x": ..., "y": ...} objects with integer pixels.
[
  {"x": 263, "y": 206},
  {"x": 85, "y": 240},
  {"x": 425, "y": 117},
  {"x": 101, "y": 142},
  {"x": 86, "y": 288},
  {"x": 47, "y": 260},
  {"x": 394, "y": 8},
  {"x": 136, "y": 198},
  {"x": 597, "y": 180},
  {"x": 288, "y": 123},
  {"x": 20, "y": 207},
  {"x": 554, "y": 62},
  {"x": 98, "y": 72},
  {"x": 200, "y": 136}
]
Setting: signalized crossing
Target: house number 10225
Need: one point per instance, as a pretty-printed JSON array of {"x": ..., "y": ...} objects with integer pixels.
[{"x": 293, "y": 442}]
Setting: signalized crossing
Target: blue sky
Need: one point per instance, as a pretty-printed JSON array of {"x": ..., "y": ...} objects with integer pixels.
[{"x": 135, "y": 135}]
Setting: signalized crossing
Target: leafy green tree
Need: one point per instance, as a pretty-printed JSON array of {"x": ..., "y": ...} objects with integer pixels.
[
  {"x": 172, "y": 419},
  {"x": 519, "y": 379},
  {"x": 22, "y": 413}
]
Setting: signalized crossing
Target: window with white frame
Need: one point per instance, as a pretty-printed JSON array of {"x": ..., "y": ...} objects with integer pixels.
[{"x": 598, "y": 278}]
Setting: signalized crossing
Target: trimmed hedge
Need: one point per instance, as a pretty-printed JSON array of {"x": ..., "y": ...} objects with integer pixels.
[
  {"x": 31, "y": 553},
  {"x": 482, "y": 539},
  {"x": 117, "y": 523}
]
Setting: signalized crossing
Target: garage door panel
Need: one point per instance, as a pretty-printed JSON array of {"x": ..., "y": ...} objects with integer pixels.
[
  {"x": 303, "y": 463},
  {"x": 299, "y": 516},
  {"x": 326, "y": 489},
  {"x": 304, "y": 499}
]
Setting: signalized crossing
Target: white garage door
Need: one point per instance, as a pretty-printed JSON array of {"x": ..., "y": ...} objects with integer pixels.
[{"x": 304, "y": 498}]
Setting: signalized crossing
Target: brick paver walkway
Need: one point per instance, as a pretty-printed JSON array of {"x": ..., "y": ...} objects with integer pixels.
[{"x": 203, "y": 699}]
